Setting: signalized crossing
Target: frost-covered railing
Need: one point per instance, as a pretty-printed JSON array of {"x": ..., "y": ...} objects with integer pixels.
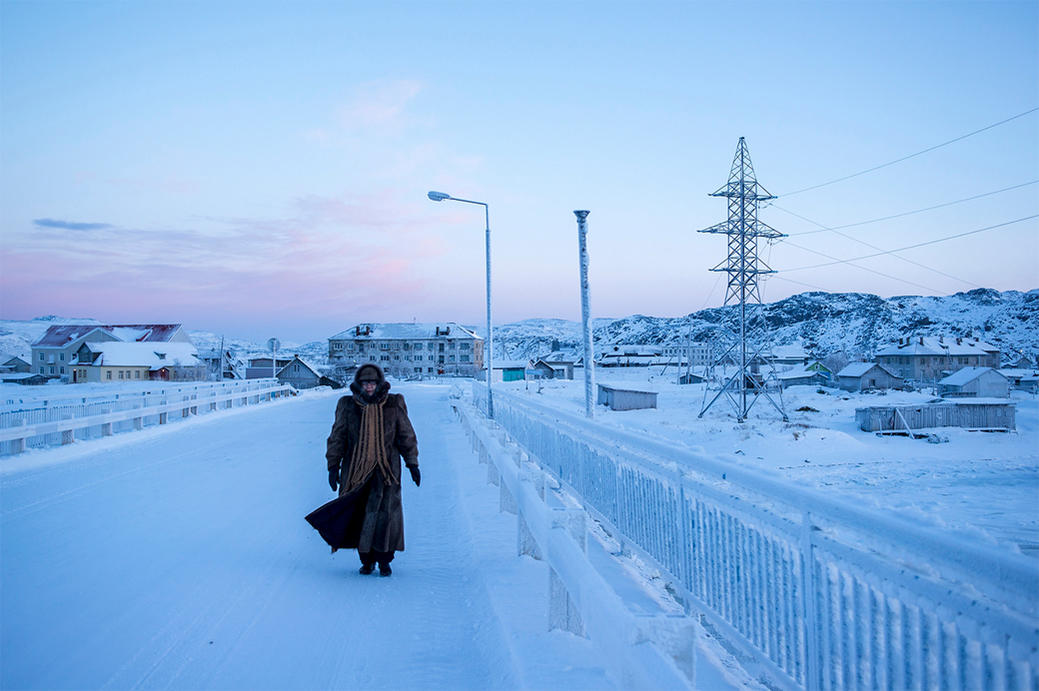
[
  {"x": 61, "y": 419},
  {"x": 818, "y": 593}
]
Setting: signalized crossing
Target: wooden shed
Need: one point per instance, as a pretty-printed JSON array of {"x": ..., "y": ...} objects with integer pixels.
[
  {"x": 625, "y": 399},
  {"x": 973, "y": 414},
  {"x": 867, "y": 376}
]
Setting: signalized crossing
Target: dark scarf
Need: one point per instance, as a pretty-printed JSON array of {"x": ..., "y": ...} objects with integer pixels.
[{"x": 370, "y": 451}]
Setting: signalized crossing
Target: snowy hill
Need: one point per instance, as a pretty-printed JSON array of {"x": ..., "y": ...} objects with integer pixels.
[{"x": 856, "y": 323}]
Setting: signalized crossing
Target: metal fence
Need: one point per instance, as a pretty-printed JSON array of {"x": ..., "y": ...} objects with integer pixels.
[
  {"x": 814, "y": 592},
  {"x": 61, "y": 418}
]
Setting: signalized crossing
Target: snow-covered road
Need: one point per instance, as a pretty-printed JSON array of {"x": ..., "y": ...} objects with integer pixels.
[{"x": 179, "y": 558}]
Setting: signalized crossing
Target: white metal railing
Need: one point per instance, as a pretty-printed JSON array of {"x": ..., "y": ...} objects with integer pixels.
[
  {"x": 641, "y": 649},
  {"x": 61, "y": 419},
  {"x": 821, "y": 593}
]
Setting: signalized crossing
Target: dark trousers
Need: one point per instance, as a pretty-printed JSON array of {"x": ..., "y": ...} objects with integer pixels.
[{"x": 373, "y": 556}]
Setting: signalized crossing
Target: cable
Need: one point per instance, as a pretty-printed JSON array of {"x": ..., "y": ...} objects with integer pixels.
[
  {"x": 906, "y": 158},
  {"x": 909, "y": 247},
  {"x": 850, "y": 262},
  {"x": 874, "y": 247},
  {"x": 905, "y": 213}
]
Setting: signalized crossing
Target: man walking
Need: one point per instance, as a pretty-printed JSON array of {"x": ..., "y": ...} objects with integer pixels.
[{"x": 370, "y": 435}]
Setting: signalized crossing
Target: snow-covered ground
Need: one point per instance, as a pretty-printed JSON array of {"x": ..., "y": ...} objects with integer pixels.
[
  {"x": 985, "y": 484},
  {"x": 178, "y": 557}
]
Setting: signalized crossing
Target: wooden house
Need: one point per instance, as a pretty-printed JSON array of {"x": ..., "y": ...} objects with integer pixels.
[
  {"x": 625, "y": 399},
  {"x": 867, "y": 376},
  {"x": 977, "y": 382}
]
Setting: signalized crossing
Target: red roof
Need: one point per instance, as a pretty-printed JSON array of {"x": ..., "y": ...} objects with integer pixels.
[{"x": 63, "y": 334}]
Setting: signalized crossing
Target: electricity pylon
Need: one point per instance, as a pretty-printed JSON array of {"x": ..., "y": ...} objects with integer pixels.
[{"x": 743, "y": 334}]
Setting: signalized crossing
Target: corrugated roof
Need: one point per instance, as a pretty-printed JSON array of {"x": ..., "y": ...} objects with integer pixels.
[
  {"x": 62, "y": 334},
  {"x": 965, "y": 375},
  {"x": 151, "y": 355},
  {"x": 406, "y": 330}
]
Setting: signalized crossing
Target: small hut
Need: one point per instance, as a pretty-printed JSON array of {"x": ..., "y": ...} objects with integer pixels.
[{"x": 983, "y": 382}]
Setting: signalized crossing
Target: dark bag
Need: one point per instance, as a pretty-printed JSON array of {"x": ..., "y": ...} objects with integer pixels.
[{"x": 340, "y": 520}]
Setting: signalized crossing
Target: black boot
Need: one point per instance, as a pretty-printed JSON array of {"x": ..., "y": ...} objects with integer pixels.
[
  {"x": 366, "y": 569},
  {"x": 385, "y": 570}
]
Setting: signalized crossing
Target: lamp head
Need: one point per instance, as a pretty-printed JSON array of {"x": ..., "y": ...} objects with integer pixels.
[{"x": 438, "y": 196}]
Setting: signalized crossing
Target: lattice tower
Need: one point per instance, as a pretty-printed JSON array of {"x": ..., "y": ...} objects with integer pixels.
[{"x": 741, "y": 341}]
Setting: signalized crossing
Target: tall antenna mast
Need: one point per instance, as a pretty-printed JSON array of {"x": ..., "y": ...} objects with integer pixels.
[{"x": 743, "y": 333}]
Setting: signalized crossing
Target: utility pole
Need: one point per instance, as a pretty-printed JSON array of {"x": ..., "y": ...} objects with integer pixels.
[
  {"x": 744, "y": 328},
  {"x": 586, "y": 317}
]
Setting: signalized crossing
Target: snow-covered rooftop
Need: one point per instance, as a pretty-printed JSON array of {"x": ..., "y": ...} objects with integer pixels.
[
  {"x": 857, "y": 369},
  {"x": 301, "y": 361},
  {"x": 965, "y": 375},
  {"x": 61, "y": 335},
  {"x": 938, "y": 345},
  {"x": 151, "y": 355},
  {"x": 510, "y": 364},
  {"x": 406, "y": 330}
]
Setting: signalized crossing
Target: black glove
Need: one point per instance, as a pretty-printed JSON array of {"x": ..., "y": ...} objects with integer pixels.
[
  {"x": 415, "y": 474},
  {"x": 333, "y": 479}
]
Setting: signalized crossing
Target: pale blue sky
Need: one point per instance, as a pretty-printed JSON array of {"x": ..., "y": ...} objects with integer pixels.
[{"x": 261, "y": 168}]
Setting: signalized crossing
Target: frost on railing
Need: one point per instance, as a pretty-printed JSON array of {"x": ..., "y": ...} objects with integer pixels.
[
  {"x": 819, "y": 594},
  {"x": 60, "y": 418}
]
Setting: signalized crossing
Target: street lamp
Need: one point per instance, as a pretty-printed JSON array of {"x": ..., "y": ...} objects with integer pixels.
[{"x": 443, "y": 196}]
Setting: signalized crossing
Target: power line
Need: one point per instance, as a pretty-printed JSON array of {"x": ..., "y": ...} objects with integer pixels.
[
  {"x": 823, "y": 228},
  {"x": 874, "y": 247},
  {"x": 906, "y": 158},
  {"x": 909, "y": 247},
  {"x": 857, "y": 266}
]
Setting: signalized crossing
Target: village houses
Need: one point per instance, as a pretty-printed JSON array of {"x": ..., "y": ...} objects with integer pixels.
[
  {"x": 930, "y": 358},
  {"x": 52, "y": 354}
]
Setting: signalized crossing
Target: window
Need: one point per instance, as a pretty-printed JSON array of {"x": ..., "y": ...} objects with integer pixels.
[
  {"x": 108, "y": 374},
  {"x": 120, "y": 374},
  {"x": 41, "y": 370},
  {"x": 451, "y": 345},
  {"x": 61, "y": 370},
  {"x": 63, "y": 357},
  {"x": 451, "y": 358},
  {"x": 396, "y": 357},
  {"x": 466, "y": 345},
  {"x": 384, "y": 346},
  {"x": 463, "y": 358},
  {"x": 429, "y": 369},
  {"x": 384, "y": 357},
  {"x": 137, "y": 374},
  {"x": 41, "y": 357},
  {"x": 418, "y": 369},
  {"x": 52, "y": 369}
]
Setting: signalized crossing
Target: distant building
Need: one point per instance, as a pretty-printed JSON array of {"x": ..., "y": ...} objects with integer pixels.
[
  {"x": 929, "y": 358},
  {"x": 978, "y": 382},
  {"x": 867, "y": 376},
  {"x": 696, "y": 354},
  {"x": 302, "y": 375},
  {"x": 13, "y": 364},
  {"x": 509, "y": 370},
  {"x": 261, "y": 368},
  {"x": 559, "y": 366},
  {"x": 790, "y": 355},
  {"x": 1022, "y": 379},
  {"x": 52, "y": 353},
  {"x": 621, "y": 355},
  {"x": 814, "y": 374},
  {"x": 24, "y": 378},
  {"x": 116, "y": 361},
  {"x": 409, "y": 349}
]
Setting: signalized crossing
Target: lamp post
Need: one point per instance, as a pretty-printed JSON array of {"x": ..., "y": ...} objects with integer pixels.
[{"x": 441, "y": 197}]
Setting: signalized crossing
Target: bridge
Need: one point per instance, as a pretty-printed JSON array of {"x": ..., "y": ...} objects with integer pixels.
[{"x": 177, "y": 556}]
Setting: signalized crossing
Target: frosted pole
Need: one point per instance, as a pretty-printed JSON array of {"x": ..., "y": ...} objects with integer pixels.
[{"x": 589, "y": 359}]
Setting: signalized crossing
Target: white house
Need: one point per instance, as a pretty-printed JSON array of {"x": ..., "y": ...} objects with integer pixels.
[
  {"x": 115, "y": 361},
  {"x": 52, "y": 353},
  {"x": 979, "y": 382}
]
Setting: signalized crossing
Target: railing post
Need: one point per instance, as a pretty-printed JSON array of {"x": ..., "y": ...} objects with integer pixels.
[
  {"x": 809, "y": 594},
  {"x": 563, "y": 610}
]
